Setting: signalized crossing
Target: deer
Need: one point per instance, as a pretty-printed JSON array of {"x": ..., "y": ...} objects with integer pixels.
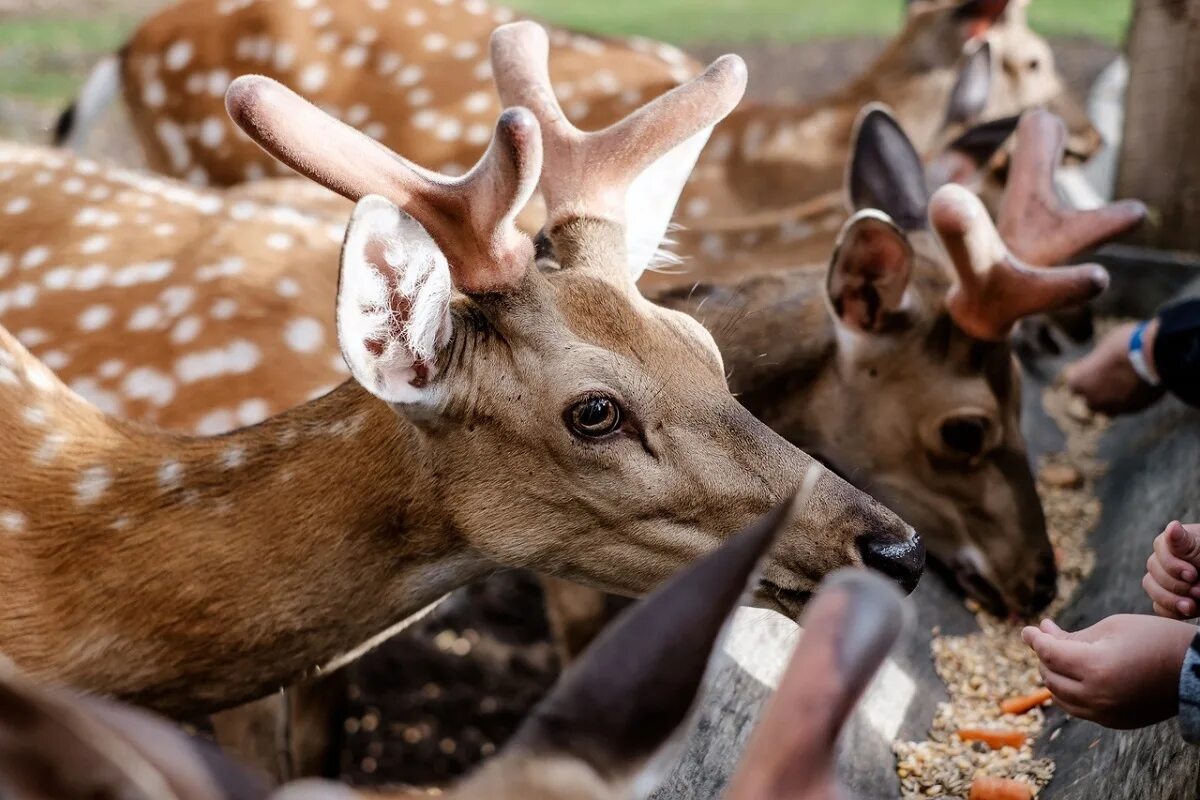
[
  {"x": 358, "y": 58},
  {"x": 710, "y": 247},
  {"x": 605, "y": 732},
  {"x": 770, "y": 156},
  {"x": 465, "y": 353}
]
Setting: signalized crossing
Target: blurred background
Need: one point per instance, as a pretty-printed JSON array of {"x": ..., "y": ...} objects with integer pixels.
[{"x": 796, "y": 48}]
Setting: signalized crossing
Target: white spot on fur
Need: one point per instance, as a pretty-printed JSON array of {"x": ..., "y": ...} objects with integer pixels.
[
  {"x": 95, "y": 317},
  {"x": 170, "y": 474},
  {"x": 287, "y": 287},
  {"x": 178, "y": 55},
  {"x": 223, "y": 308},
  {"x": 357, "y": 114},
  {"x": 187, "y": 329},
  {"x": 389, "y": 62},
  {"x": 236, "y": 358},
  {"x": 304, "y": 334},
  {"x": 464, "y": 50},
  {"x": 434, "y": 42},
  {"x": 448, "y": 130},
  {"x": 35, "y": 257},
  {"x": 212, "y": 132},
  {"x": 92, "y": 484},
  {"x": 252, "y": 411},
  {"x": 55, "y": 359},
  {"x": 111, "y": 368},
  {"x": 478, "y": 134},
  {"x": 175, "y": 143},
  {"x": 94, "y": 244},
  {"x": 154, "y": 94},
  {"x": 18, "y": 205},
  {"x": 177, "y": 299},
  {"x": 313, "y": 77},
  {"x": 285, "y": 55},
  {"x": 13, "y": 521},
  {"x": 218, "y": 82},
  {"x": 147, "y": 383},
  {"x": 35, "y": 415},
  {"x": 32, "y": 337},
  {"x": 376, "y": 130},
  {"x": 144, "y": 318},
  {"x": 280, "y": 241},
  {"x": 415, "y": 17},
  {"x": 147, "y": 272},
  {"x": 410, "y": 75},
  {"x": 478, "y": 102},
  {"x": 234, "y": 457},
  {"x": 215, "y": 422},
  {"x": 354, "y": 56}
]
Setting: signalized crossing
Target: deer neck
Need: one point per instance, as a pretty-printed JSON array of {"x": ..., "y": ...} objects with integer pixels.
[{"x": 192, "y": 574}]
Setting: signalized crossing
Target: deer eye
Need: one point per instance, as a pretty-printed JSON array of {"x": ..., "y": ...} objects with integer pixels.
[
  {"x": 965, "y": 436},
  {"x": 1033, "y": 64},
  {"x": 594, "y": 417}
]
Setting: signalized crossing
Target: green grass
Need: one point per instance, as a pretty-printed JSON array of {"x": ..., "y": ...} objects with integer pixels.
[
  {"x": 693, "y": 21},
  {"x": 45, "y": 57}
]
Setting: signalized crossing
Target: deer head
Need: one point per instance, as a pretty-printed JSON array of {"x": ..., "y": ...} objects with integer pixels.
[
  {"x": 922, "y": 286},
  {"x": 1024, "y": 72},
  {"x": 617, "y": 409},
  {"x": 603, "y": 732}
]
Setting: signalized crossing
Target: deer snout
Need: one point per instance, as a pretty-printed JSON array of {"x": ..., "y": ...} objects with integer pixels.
[{"x": 901, "y": 560}]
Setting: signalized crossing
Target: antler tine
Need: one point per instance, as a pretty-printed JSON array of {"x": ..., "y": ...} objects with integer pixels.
[
  {"x": 471, "y": 217},
  {"x": 995, "y": 289},
  {"x": 1033, "y": 221},
  {"x": 587, "y": 173}
]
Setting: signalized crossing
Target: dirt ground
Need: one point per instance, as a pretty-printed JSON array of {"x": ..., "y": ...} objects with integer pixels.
[{"x": 431, "y": 703}]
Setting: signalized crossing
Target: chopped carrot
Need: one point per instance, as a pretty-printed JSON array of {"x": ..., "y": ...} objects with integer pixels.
[
  {"x": 1019, "y": 705},
  {"x": 985, "y": 788},
  {"x": 994, "y": 739}
]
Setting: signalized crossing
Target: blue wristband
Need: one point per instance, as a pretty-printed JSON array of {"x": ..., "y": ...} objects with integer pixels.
[{"x": 1137, "y": 355}]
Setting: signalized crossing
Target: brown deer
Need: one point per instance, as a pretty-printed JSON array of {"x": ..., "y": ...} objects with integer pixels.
[
  {"x": 604, "y": 732},
  {"x": 766, "y": 157},
  {"x": 711, "y": 247},
  {"x": 897, "y": 375},
  {"x": 465, "y": 357}
]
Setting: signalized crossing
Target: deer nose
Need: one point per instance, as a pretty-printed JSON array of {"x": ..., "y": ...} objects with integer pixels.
[{"x": 902, "y": 561}]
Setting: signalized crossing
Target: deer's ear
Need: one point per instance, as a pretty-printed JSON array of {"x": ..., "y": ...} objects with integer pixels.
[
  {"x": 393, "y": 305},
  {"x": 885, "y": 172},
  {"x": 962, "y": 160},
  {"x": 869, "y": 272},
  {"x": 651, "y": 199},
  {"x": 57, "y": 745},
  {"x": 619, "y": 707},
  {"x": 972, "y": 87}
]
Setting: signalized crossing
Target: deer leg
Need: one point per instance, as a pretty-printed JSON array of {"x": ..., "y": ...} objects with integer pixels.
[{"x": 577, "y": 614}]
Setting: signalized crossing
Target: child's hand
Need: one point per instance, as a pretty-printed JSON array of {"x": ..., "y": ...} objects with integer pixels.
[
  {"x": 1172, "y": 570},
  {"x": 1123, "y": 672}
]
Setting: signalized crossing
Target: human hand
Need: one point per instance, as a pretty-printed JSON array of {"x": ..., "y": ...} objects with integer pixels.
[
  {"x": 1123, "y": 672},
  {"x": 1105, "y": 379},
  {"x": 1173, "y": 572}
]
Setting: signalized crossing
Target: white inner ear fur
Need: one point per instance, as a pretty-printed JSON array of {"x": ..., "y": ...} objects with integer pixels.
[
  {"x": 393, "y": 304},
  {"x": 650, "y": 202}
]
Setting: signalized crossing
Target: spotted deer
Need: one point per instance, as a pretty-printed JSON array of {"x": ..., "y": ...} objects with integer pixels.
[
  {"x": 413, "y": 74},
  {"x": 464, "y": 357},
  {"x": 604, "y": 732}
]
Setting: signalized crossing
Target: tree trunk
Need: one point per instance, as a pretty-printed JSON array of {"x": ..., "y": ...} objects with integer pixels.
[{"x": 1160, "y": 158}]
